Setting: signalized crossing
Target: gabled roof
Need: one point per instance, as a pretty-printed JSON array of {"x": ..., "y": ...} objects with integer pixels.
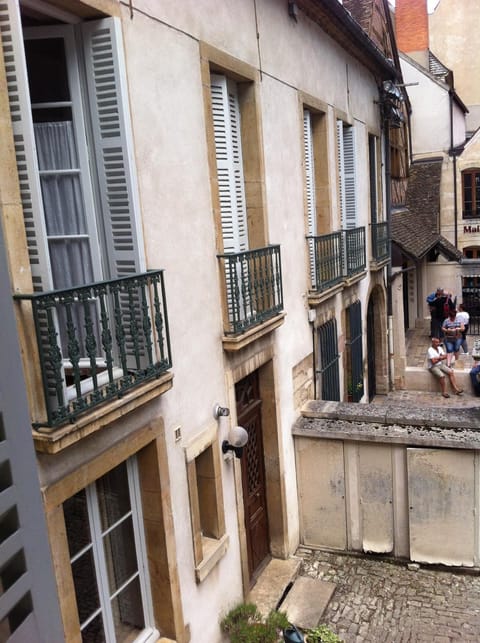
[
  {"x": 416, "y": 228},
  {"x": 339, "y": 23},
  {"x": 437, "y": 78}
]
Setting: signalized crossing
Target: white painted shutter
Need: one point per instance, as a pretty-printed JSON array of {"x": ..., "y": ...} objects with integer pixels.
[
  {"x": 349, "y": 177},
  {"x": 310, "y": 189},
  {"x": 228, "y": 149},
  {"x": 111, "y": 125},
  {"x": 24, "y": 141},
  {"x": 341, "y": 177}
]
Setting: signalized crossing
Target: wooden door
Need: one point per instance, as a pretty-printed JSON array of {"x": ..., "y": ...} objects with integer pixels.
[{"x": 249, "y": 416}]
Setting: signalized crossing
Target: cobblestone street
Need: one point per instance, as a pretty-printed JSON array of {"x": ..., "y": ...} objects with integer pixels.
[{"x": 381, "y": 601}]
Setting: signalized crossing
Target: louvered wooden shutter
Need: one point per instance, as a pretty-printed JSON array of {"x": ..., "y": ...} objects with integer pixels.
[
  {"x": 341, "y": 178},
  {"x": 228, "y": 149},
  {"x": 349, "y": 177},
  {"x": 111, "y": 125},
  {"x": 310, "y": 189},
  {"x": 113, "y": 142},
  {"x": 24, "y": 141}
]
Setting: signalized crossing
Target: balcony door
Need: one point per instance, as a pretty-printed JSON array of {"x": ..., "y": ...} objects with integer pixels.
[
  {"x": 231, "y": 189},
  {"x": 72, "y": 240}
]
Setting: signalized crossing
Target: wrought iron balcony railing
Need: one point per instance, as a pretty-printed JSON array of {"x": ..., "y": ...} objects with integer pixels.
[
  {"x": 326, "y": 260},
  {"x": 253, "y": 287},
  {"x": 97, "y": 342},
  {"x": 380, "y": 244},
  {"x": 355, "y": 258},
  {"x": 335, "y": 257}
]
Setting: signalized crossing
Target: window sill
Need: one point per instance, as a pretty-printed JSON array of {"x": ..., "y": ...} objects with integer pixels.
[{"x": 214, "y": 550}]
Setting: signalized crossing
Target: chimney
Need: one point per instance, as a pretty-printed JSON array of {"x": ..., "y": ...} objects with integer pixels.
[{"x": 411, "y": 28}]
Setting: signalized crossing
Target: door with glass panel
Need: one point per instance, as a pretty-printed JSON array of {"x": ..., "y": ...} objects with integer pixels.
[
  {"x": 67, "y": 200},
  {"x": 106, "y": 543}
]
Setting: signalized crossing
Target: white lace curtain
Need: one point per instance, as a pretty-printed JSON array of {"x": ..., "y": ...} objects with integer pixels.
[{"x": 63, "y": 204}]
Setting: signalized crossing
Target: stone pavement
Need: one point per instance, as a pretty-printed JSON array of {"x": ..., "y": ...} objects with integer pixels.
[{"x": 381, "y": 601}]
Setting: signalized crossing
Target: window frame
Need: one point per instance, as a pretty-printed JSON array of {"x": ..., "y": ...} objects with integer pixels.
[
  {"x": 473, "y": 172},
  {"x": 149, "y": 633},
  {"x": 202, "y": 458}
]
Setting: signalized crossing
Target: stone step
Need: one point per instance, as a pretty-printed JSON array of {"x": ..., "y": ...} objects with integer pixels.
[
  {"x": 306, "y": 602},
  {"x": 420, "y": 379},
  {"x": 272, "y": 583}
]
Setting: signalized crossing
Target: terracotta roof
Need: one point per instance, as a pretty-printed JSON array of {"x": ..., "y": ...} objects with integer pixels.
[{"x": 416, "y": 228}]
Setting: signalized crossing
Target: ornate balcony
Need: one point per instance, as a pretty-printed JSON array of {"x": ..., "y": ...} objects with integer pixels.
[
  {"x": 380, "y": 242},
  {"x": 336, "y": 257},
  {"x": 99, "y": 341},
  {"x": 253, "y": 287}
]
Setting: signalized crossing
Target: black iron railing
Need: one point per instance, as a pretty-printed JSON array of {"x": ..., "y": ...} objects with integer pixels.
[
  {"x": 97, "y": 342},
  {"x": 326, "y": 251},
  {"x": 355, "y": 257},
  {"x": 253, "y": 287},
  {"x": 380, "y": 245},
  {"x": 336, "y": 256}
]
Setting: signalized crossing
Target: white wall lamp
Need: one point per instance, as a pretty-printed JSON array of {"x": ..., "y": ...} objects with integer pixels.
[{"x": 237, "y": 439}]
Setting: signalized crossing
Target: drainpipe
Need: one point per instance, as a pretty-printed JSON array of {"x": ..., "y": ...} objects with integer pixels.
[
  {"x": 389, "y": 264},
  {"x": 454, "y": 154}
]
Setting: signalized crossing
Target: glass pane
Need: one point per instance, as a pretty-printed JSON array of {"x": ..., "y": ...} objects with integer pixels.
[
  {"x": 86, "y": 591},
  {"x": 477, "y": 194},
  {"x": 76, "y": 521},
  {"x": 71, "y": 262},
  {"x": 56, "y": 147},
  {"x": 51, "y": 114},
  {"x": 47, "y": 70},
  {"x": 127, "y": 612},
  {"x": 120, "y": 554},
  {"x": 94, "y": 632},
  {"x": 63, "y": 205},
  {"x": 113, "y": 496}
]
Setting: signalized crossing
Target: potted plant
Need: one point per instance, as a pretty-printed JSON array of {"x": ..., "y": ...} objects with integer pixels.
[{"x": 245, "y": 624}]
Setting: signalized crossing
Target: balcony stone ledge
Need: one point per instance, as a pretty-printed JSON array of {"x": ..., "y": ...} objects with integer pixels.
[
  {"x": 52, "y": 441},
  {"x": 238, "y": 342}
]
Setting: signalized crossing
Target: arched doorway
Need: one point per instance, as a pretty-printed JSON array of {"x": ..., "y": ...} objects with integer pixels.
[
  {"x": 377, "y": 353},
  {"x": 371, "y": 370}
]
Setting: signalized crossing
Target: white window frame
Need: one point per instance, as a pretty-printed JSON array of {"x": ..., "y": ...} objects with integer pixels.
[
  {"x": 65, "y": 32},
  {"x": 149, "y": 633}
]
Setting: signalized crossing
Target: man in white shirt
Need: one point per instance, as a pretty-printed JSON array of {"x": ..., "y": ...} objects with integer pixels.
[
  {"x": 436, "y": 357},
  {"x": 464, "y": 317}
]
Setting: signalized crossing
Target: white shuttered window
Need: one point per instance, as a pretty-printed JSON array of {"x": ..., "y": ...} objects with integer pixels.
[
  {"x": 228, "y": 150},
  {"x": 310, "y": 188},
  {"x": 346, "y": 173}
]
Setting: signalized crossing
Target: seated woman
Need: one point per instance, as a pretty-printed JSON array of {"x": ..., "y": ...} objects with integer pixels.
[{"x": 453, "y": 329}]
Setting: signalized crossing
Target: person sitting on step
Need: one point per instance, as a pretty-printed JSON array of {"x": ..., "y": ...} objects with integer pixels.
[{"x": 436, "y": 357}]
